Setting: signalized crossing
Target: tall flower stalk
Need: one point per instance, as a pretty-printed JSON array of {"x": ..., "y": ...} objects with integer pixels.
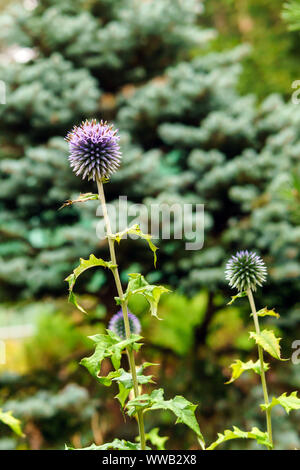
[
  {"x": 245, "y": 271},
  {"x": 262, "y": 370},
  {"x": 95, "y": 155},
  {"x": 124, "y": 307}
]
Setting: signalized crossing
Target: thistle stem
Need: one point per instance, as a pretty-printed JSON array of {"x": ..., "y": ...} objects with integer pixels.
[
  {"x": 262, "y": 371},
  {"x": 115, "y": 271}
]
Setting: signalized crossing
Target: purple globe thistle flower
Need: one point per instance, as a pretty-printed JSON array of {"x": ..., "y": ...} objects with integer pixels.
[
  {"x": 117, "y": 324},
  {"x": 245, "y": 271},
  {"x": 94, "y": 150}
]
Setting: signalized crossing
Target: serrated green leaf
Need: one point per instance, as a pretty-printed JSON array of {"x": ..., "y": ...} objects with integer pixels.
[
  {"x": 138, "y": 285},
  {"x": 7, "y": 418},
  {"x": 238, "y": 367},
  {"x": 107, "y": 380},
  {"x": 135, "y": 230},
  {"x": 85, "y": 264},
  {"x": 73, "y": 300},
  {"x": 291, "y": 402},
  {"x": 116, "y": 444},
  {"x": 234, "y": 297},
  {"x": 124, "y": 380},
  {"x": 259, "y": 436},
  {"x": 268, "y": 341},
  {"x": 111, "y": 346},
  {"x": 155, "y": 439},
  {"x": 182, "y": 409},
  {"x": 122, "y": 395},
  {"x": 81, "y": 198},
  {"x": 264, "y": 312}
]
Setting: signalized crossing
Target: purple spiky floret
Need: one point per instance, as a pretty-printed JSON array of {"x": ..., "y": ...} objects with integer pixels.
[
  {"x": 245, "y": 270},
  {"x": 117, "y": 324},
  {"x": 94, "y": 150}
]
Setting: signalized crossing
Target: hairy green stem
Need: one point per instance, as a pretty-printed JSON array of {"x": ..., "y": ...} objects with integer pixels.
[
  {"x": 262, "y": 371},
  {"x": 140, "y": 417}
]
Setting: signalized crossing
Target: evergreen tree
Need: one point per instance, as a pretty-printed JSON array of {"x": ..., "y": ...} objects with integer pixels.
[
  {"x": 85, "y": 55},
  {"x": 222, "y": 150},
  {"x": 186, "y": 135}
]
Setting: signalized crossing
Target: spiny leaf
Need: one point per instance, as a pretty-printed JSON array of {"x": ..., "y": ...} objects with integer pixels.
[
  {"x": 7, "y": 418},
  {"x": 268, "y": 341},
  {"x": 155, "y": 439},
  {"x": 182, "y": 408},
  {"x": 234, "y": 297},
  {"x": 81, "y": 198},
  {"x": 116, "y": 444},
  {"x": 124, "y": 380},
  {"x": 238, "y": 367},
  {"x": 122, "y": 395},
  {"x": 259, "y": 436},
  {"x": 265, "y": 312},
  {"x": 73, "y": 300},
  {"x": 289, "y": 403},
  {"x": 138, "y": 285},
  {"x": 83, "y": 266},
  {"x": 135, "y": 230},
  {"x": 111, "y": 346}
]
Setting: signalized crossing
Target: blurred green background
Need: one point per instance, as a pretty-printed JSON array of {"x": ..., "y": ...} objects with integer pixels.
[{"x": 201, "y": 94}]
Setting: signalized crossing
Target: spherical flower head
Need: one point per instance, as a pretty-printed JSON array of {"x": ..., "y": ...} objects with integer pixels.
[
  {"x": 94, "y": 150},
  {"x": 117, "y": 324},
  {"x": 245, "y": 270}
]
